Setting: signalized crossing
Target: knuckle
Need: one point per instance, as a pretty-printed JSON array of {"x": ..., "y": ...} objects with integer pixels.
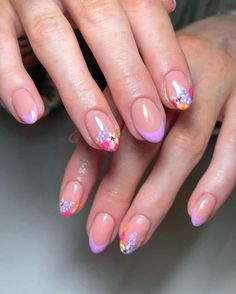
[
  {"x": 96, "y": 12},
  {"x": 47, "y": 28},
  {"x": 192, "y": 143},
  {"x": 137, "y": 5}
]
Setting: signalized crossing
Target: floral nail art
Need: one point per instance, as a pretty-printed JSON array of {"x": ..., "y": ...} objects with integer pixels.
[
  {"x": 67, "y": 208},
  {"x": 108, "y": 141},
  {"x": 183, "y": 99},
  {"x": 128, "y": 245}
]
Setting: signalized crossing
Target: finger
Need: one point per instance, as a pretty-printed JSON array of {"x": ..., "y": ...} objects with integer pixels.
[
  {"x": 117, "y": 189},
  {"x": 162, "y": 54},
  {"x": 80, "y": 176},
  {"x": 56, "y": 46},
  {"x": 107, "y": 32},
  {"x": 181, "y": 151},
  {"x": 219, "y": 180},
  {"x": 17, "y": 90}
]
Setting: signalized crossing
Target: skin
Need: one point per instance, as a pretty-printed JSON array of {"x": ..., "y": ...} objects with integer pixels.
[
  {"x": 113, "y": 29},
  {"x": 211, "y": 55}
]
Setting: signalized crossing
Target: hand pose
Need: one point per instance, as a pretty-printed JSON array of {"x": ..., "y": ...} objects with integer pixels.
[{"x": 210, "y": 49}]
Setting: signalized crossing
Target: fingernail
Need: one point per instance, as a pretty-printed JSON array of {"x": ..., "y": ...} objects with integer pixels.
[
  {"x": 24, "y": 105},
  {"x": 102, "y": 130},
  {"x": 71, "y": 198},
  {"x": 101, "y": 232},
  {"x": 147, "y": 120},
  {"x": 178, "y": 91},
  {"x": 74, "y": 137},
  {"x": 134, "y": 234},
  {"x": 203, "y": 209}
]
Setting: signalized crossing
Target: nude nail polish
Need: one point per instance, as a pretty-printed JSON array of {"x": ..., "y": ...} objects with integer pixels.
[
  {"x": 134, "y": 233},
  {"x": 178, "y": 90},
  {"x": 71, "y": 198},
  {"x": 147, "y": 120},
  {"x": 24, "y": 106},
  {"x": 101, "y": 232},
  {"x": 203, "y": 209},
  {"x": 103, "y": 132},
  {"x": 174, "y": 5}
]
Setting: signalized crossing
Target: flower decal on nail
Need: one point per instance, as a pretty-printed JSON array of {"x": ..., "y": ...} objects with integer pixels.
[
  {"x": 67, "y": 208},
  {"x": 183, "y": 99},
  {"x": 109, "y": 141},
  {"x": 128, "y": 244}
]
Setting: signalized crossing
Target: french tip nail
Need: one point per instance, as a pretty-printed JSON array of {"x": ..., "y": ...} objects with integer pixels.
[
  {"x": 101, "y": 231},
  {"x": 154, "y": 137},
  {"x": 25, "y": 106},
  {"x": 96, "y": 249},
  {"x": 147, "y": 120},
  {"x": 196, "y": 221}
]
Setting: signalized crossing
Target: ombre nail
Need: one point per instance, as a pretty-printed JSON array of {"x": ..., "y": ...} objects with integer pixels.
[
  {"x": 134, "y": 234},
  {"x": 24, "y": 106},
  {"x": 203, "y": 209},
  {"x": 101, "y": 232},
  {"x": 104, "y": 133},
  {"x": 71, "y": 198},
  {"x": 147, "y": 120},
  {"x": 178, "y": 90}
]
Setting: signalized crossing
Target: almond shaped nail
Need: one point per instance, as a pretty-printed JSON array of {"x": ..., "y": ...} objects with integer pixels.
[
  {"x": 203, "y": 209},
  {"x": 178, "y": 90},
  {"x": 101, "y": 232},
  {"x": 70, "y": 199},
  {"x": 134, "y": 234},
  {"x": 147, "y": 120},
  {"x": 103, "y": 132},
  {"x": 25, "y": 106}
]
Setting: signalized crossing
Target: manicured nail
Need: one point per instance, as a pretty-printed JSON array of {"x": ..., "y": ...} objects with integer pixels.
[
  {"x": 101, "y": 232},
  {"x": 178, "y": 90},
  {"x": 147, "y": 120},
  {"x": 71, "y": 198},
  {"x": 203, "y": 209},
  {"x": 134, "y": 234},
  {"x": 24, "y": 105},
  {"x": 102, "y": 130},
  {"x": 74, "y": 137}
]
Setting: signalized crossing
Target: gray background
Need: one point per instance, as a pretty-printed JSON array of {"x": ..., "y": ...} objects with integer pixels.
[{"x": 41, "y": 253}]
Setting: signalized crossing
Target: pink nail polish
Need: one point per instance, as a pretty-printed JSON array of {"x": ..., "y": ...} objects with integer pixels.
[
  {"x": 178, "y": 90},
  {"x": 102, "y": 130},
  {"x": 134, "y": 233},
  {"x": 101, "y": 232},
  {"x": 203, "y": 209},
  {"x": 71, "y": 198},
  {"x": 147, "y": 120},
  {"x": 24, "y": 105}
]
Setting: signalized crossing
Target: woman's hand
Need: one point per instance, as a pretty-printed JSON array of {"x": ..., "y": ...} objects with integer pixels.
[
  {"x": 118, "y": 33},
  {"x": 210, "y": 54}
]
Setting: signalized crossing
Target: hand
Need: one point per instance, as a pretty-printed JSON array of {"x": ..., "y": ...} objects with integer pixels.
[
  {"x": 210, "y": 53},
  {"x": 116, "y": 31}
]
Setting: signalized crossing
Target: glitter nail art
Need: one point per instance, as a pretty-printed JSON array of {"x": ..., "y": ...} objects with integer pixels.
[
  {"x": 67, "y": 208},
  {"x": 108, "y": 141},
  {"x": 128, "y": 245},
  {"x": 183, "y": 99}
]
